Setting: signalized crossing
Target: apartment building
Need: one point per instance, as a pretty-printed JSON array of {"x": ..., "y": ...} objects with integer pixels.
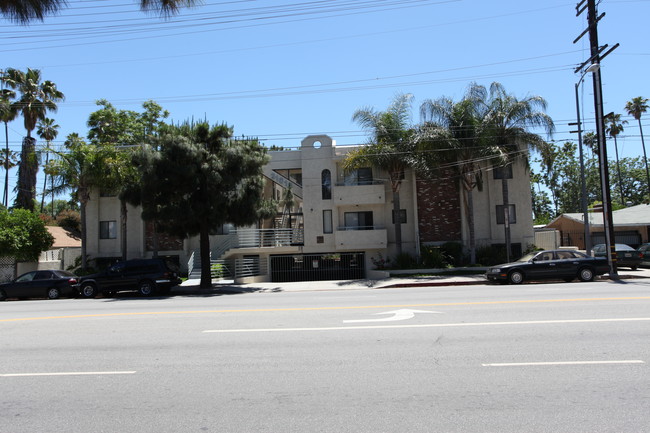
[{"x": 331, "y": 224}]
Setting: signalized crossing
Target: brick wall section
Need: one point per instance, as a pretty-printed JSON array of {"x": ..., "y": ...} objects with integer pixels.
[
  {"x": 439, "y": 211},
  {"x": 165, "y": 242}
]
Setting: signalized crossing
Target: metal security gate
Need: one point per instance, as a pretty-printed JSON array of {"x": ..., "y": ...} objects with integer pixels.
[{"x": 318, "y": 267}]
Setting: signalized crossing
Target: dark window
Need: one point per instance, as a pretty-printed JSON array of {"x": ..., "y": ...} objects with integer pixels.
[
  {"x": 402, "y": 216},
  {"x": 107, "y": 230},
  {"x": 326, "y": 183},
  {"x": 504, "y": 172},
  {"x": 359, "y": 176},
  {"x": 358, "y": 220},
  {"x": 512, "y": 219}
]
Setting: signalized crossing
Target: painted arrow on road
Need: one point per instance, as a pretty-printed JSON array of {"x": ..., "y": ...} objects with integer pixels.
[{"x": 403, "y": 314}]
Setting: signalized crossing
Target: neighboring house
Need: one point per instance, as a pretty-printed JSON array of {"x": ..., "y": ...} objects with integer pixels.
[
  {"x": 631, "y": 226},
  {"x": 335, "y": 222},
  {"x": 63, "y": 253}
]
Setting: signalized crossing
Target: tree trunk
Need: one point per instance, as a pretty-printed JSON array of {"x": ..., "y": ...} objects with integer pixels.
[
  {"x": 5, "y": 194},
  {"x": 470, "y": 223},
  {"x": 618, "y": 170},
  {"x": 506, "y": 214},
  {"x": 204, "y": 245},
  {"x": 27, "y": 169},
  {"x": 47, "y": 160},
  {"x": 397, "y": 220},
  {"x": 123, "y": 218},
  {"x": 82, "y": 212}
]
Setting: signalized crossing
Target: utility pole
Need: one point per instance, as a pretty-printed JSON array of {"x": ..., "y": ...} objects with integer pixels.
[{"x": 595, "y": 59}]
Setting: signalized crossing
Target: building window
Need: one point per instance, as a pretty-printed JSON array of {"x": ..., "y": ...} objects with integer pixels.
[
  {"x": 358, "y": 220},
  {"x": 326, "y": 184},
  {"x": 512, "y": 214},
  {"x": 503, "y": 172},
  {"x": 327, "y": 221},
  {"x": 359, "y": 176},
  {"x": 402, "y": 216},
  {"x": 107, "y": 230}
]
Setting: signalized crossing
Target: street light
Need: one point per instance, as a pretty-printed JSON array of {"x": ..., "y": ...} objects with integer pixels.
[{"x": 583, "y": 183}]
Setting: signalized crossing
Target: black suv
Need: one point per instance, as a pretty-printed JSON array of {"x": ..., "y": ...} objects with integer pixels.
[{"x": 146, "y": 276}]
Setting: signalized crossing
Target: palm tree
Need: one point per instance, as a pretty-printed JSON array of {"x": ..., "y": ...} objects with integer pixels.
[
  {"x": 508, "y": 123},
  {"x": 636, "y": 107},
  {"x": 391, "y": 148},
  {"x": 79, "y": 169},
  {"x": 23, "y": 11},
  {"x": 7, "y": 114},
  {"x": 47, "y": 130},
  {"x": 451, "y": 137},
  {"x": 613, "y": 127},
  {"x": 36, "y": 99}
]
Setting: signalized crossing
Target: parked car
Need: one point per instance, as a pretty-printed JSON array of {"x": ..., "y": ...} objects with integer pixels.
[
  {"x": 626, "y": 256},
  {"x": 551, "y": 264},
  {"x": 146, "y": 276},
  {"x": 50, "y": 284},
  {"x": 644, "y": 249}
]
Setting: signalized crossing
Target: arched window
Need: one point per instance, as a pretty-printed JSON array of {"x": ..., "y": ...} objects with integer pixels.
[{"x": 326, "y": 183}]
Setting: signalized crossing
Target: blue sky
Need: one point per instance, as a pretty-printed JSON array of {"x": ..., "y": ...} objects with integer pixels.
[{"x": 281, "y": 70}]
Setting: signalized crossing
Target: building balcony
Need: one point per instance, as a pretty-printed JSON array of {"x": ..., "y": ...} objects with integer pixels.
[
  {"x": 361, "y": 238},
  {"x": 362, "y": 193}
]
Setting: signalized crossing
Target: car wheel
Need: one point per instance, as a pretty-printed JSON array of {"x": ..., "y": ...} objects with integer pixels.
[
  {"x": 586, "y": 274},
  {"x": 516, "y": 277},
  {"x": 88, "y": 290},
  {"x": 146, "y": 288},
  {"x": 53, "y": 293},
  {"x": 633, "y": 268},
  {"x": 3, "y": 295}
]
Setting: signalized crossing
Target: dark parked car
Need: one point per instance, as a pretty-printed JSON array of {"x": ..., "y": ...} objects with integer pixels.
[
  {"x": 40, "y": 284},
  {"x": 644, "y": 249},
  {"x": 146, "y": 276},
  {"x": 626, "y": 256},
  {"x": 552, "y": 264}
]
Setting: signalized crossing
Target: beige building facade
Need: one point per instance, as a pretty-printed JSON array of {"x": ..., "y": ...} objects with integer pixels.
[{"x": 331, "y": 224}]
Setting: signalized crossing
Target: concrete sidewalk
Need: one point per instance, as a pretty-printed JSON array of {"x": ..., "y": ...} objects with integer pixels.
[{"x": 191, "y": 287}]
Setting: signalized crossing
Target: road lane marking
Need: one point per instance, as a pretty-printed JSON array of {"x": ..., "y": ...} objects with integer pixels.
[
  {"x": 431, "y": 325},
  {"x": 68, "y": 373},
  {"x": 397, "y": 315},
  {"x": 357, "y": 307},
  {"x": 533, "y": 364}
]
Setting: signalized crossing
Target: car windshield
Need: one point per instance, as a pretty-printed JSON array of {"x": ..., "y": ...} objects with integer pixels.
[{"x": 526, "y": 258}]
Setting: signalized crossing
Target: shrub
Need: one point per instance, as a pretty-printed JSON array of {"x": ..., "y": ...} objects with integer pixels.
[
  {"x": 454, "y": 251},
  {"x": 216, "y": 270},
  {"x": 69, "y": 220},
  {"x": 380, "y": 262},
  {"x": 405, "y": 261},
  {"x": 491, "y": 255},
  {"x": 434, "y": 257}
]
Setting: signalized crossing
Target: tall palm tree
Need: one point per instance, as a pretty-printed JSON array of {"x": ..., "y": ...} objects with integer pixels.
[
  {"x": 47, "y": 130},
  {"x": 391, "y": 147},
  {"x": 508, "y": 121},
  {"x": 36, "y": 99},
  {"x": 7, "y": 114},
  {"x": 613, "y": 127},
  {"x": 79, "y": 169},
  {"x": 636, "y": 107},
  {"x": 24, "y": 11},
  {"x": 451, "y": 137}
]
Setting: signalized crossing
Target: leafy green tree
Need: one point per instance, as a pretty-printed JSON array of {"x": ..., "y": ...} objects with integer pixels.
[
  {"x": 636, "y": 107},
  {"x": 542, "y": 211},
  {"x": 198, "y": 180},
  {"x": 8, "y": 112},
  {"x": 452, "y": 137},
  {"x": 36, "y": 99},
  {"x": 48, "y": 131},
  {"x": 23, "y": 235},
  {"x": 508, "y": 123},
  {"x": 79, "y": 169},
  {"x": 110, "y": 126},
  {"x": 613, "y": 127},
  {"x": 391, "y": 147},
  {"x": 25, "y": 11}
]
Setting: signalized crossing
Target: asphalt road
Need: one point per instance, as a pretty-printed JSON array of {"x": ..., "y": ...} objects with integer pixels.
[{"x": 532, "y": 358}]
